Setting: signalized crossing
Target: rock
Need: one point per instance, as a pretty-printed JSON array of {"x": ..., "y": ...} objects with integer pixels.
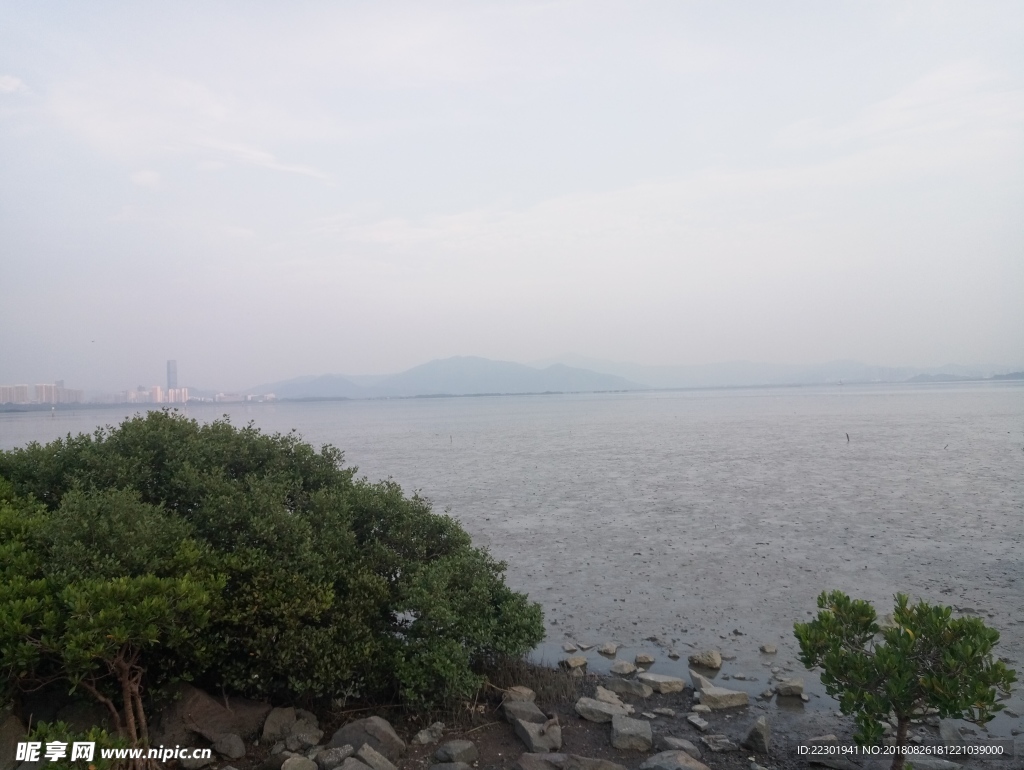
[
  {"x": 629, "y": 687},
  {"x": 699, "y": 708},
  {"x": 769, "y": 649},
  {"x": 708, "y": 659},
  {"x": 608, "y": 648},
  {"x": 278, "y": 724},
  {"x": 758, "y": 737},
  {"x": 373, "y": 758},
  {"x": 569, "y": 647},
  {"x": 662, "y": 683},
  {"x": 430, "y": 734},
  {"x": 598, "y": 711},
  {"x": 933, "y": 763},
  {"x": 328, "y": 759},
  {"x": 273, "y": 762},
  {"x": 576, "y": 661},
  {"x": 700, "y": 682},
  {"x": 300, "y": 741},
  {"x": 372, "y": 730},
  {"x": 563, "y": 762},
  {"x": 353, "y": 764},
  {"x": 670, "y": 742},
  {"x": 520, "y": 693},
  {"x": 607, "y": 696},
  {"x": 696, "y": 721},
  {"x": 457, "y": 751},
  {"x": 790, "y": 687},
  {"x": 12, "y": 732},
  {"x": 196, "y": 764},
  {"x": 622, "y": 667},
  {"x": 298, "y": 763},
  {"x": 631, "y": 734},
  {"x": 524, "y": 710},
  {"x": 718, "y": 743},
  {"x": 673, "y": 655},
  {"x": 191, "y": 712},
  {"x": 277, "y": 748},
  {"x": 837, "y": 763},
  {"x": 716, "y": 698},
  {"x": 643, "y": 659},
  {"x": 539, "y": 738},
  {"x": 673, "y": 760},
  {"x": 949, "y": 733},
  {"x": 451, "y": 766},
  {"x": 230, "y": 745},
  {"x": 648, "y": 715},
  {"x": 665, "y": 712}
]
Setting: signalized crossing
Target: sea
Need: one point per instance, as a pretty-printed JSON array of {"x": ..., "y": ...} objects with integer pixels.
[{"x": 695, "y": 519}]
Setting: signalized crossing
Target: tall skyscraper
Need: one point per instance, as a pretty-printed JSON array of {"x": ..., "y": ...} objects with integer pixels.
[{"x": 172, "y": 375}]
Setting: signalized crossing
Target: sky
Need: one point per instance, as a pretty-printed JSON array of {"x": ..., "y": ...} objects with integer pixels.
[{"x": 267, "y": 190}]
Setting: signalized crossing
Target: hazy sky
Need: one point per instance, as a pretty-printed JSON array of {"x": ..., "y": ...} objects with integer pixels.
[{"x": 263, "y": 190}]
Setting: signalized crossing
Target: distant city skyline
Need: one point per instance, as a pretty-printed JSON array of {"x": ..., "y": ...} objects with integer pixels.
[{"x": 263, "y": 191}]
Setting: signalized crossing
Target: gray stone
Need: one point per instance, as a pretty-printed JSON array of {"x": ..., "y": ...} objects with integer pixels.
[
  {"x": 631, "y": 734},
  {"x": 629, "y": 687},
  {"x": 648, "y": 715},
  {"x": 230, "y": 745},
  {"x": 189, "y": 712},
  {"x": 700, "y": 708},
  {"x": 673, "y": 655},
  {"x": 607, "y": 696},
  {"x": 279, "y": 724},
  {"x": 520, "y": 693},
  {"x": 643, "y": 659},
  {"x": 696, "y": 721},
  {"x": 662, "y": 683},
  {"x": 298, "y": 763},
  {"x": 563, "y": 762},
  {"x": 373, "y": 730},
  {"x": 576, "y": 661},
  {"x": 836, "y": 763},
  {"x": 430, "y": 734},
  {"x": 308, "y": 717},
  {"x": 539, "y": 738},
  {"x": 700, "y": 682},
  {"x": 594, "y": 710},
  {"x": 608, "y": 648},
  {"x": 933, "y": 763},
  {"x": 12, "y": 731},
  {"x": 299, "y": 741},
  {"x": 670, "y": 742},
  {"x": 949, "y": 733},
  {"x": 273, "y": 762},
  {"x": 622, "y": 667},
  {"x": 790, "y": 687},
  {"x": 769, "y": 649},
  {"x": 373, "y": 758},
  {"x": 673, "y": 760},
  {"x": 277, "y": 748},
  {"x": 451, "y": 766},
  {"x": 353, "y": 764},
  {"x": 197, "y": 763},
  {"x": 758, "y": 738},
  {"x": 328, "y": 759},
  {"x": 524, "y": 710},
  {"x": 457, "y": 751},
  {"x": 720, "y": 698},
  {"x": 569, "y": 647},
  {"x": 718, "y": 743},
  {"x": 708, "y": 659},
  {"x": 665, "y": 712}
]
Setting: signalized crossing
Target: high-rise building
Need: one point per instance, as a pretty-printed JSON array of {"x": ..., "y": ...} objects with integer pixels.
[{"x": 172, "y": 374}]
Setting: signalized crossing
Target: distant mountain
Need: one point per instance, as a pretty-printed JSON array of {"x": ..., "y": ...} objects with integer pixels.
[
  {"x": 459, "y": 376},
  {"x": 940, "y": 378}
]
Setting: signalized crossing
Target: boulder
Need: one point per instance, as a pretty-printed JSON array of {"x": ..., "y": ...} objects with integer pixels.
[
  {"x": 569, "y": 647},
  {"x": 608, "y": 648},
  {"x": 373, "y": 758},
  {"x": 607, "y": 696},
  {"x": 720, "y": 698},
  {"x": 671, "y": 743},
  {"x": 300, "y": 740},
  {"x": 457, "y": 751},
  {"x": 192, "y": 712},
  {"x": 718, "y": 743},
  {"x": 373, "y": 730},
  {"x": 790, "y": 687},
  {"x": 662, "y": 683},
  {"x": 673, "y": 760},
  {"x": 195, "y": 763},
  {"x": 758, "y": 737},
  {"x": 273, "y": 762},
  {"x": 576, "y": 661},
  {"x": 430, "y": 734},
  {"x": 708, "y": 659},
  {"x": 563, "y": 762},
  {"x": 631, "y": 734},
  {"x": 518, "y": 692},
  {"x": 629, "y": 687},
  {"x": 696, "y": 721},
  {"x": 663, "y": 712},
  {"x": 329, "y": 759},
  {"x": 769, "y": 649},
  {"x": 278, "y": 724},
  {"x": 298, "y": 763},
  {"x": 353, "y": 764},
  {"x": 525, "y": 710},
  {"x": 622, "y": 667},
  {"x": 643, "y": 659},
  {"x": 230, "y": 746},
  {"x": 539, "y": 738},
  {"x": 700, "y": 709},
  {"x": 451, "y": 766},
  {"x": 598, "y": 711},
  {"x": 12, "y": 732},
  {"x": 700, "y": 682}
]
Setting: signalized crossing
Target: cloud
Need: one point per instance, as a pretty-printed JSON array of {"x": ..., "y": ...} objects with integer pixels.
[
  {"x": 9, "y": 84},
  {"x": 254, "y": 156},
  {"x": 146, "y": 178}
]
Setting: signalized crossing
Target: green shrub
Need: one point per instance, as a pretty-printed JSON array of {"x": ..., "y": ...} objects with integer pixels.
[
  {"x": 925, "y": 660},
  {"x": 44, "y": 733},
  {"x": 241, "y": 560}
]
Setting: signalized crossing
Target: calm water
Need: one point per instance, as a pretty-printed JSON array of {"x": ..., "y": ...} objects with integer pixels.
[{"x": 688, "y": 515}]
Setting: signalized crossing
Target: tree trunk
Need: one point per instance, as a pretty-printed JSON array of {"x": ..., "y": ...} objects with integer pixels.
[{"x": 902, "y": 726}]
